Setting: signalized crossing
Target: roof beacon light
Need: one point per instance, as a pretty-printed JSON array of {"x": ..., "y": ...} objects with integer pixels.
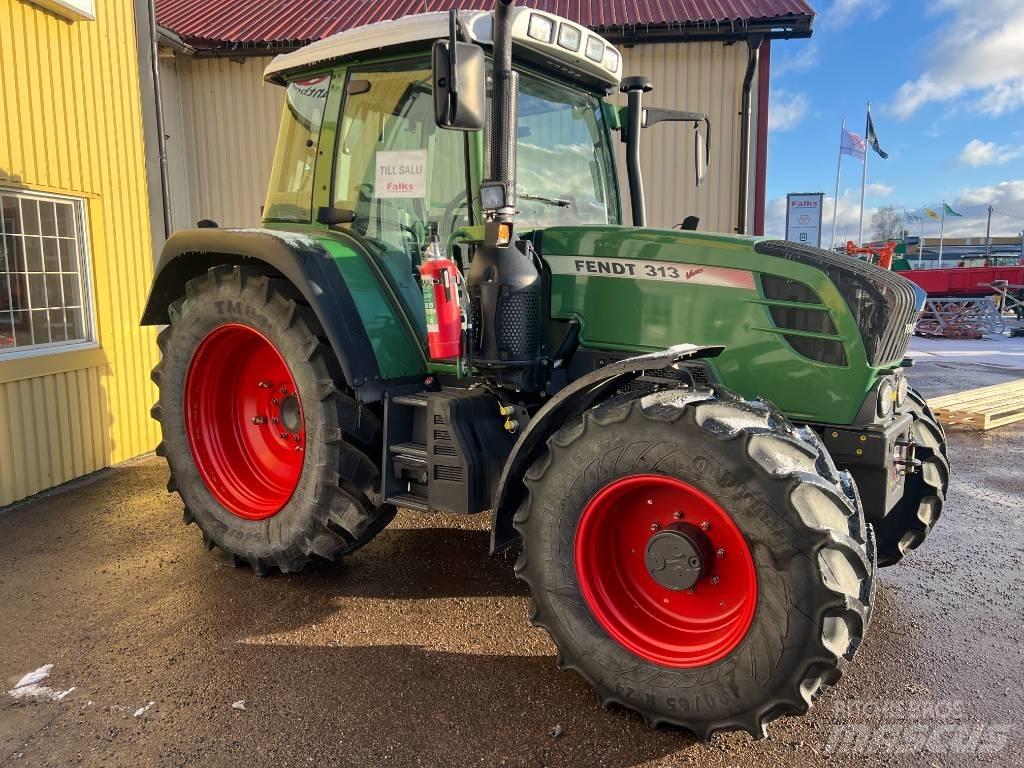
[
  {"x": 541, "y": 28},
  {"x": 570, "y": 37},
  {"x": 595, "y": 48}
]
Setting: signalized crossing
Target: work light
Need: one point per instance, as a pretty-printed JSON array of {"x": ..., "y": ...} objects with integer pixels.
[
  {"x": 595, "y": 49},
  {"x": 570, "y": 37},
  {"x": 541, "y": 28}
]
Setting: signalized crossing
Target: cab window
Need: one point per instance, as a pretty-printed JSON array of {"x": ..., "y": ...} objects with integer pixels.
[
  {"x": 565, "y": 172},
  {"x": 290, "y": 194}
]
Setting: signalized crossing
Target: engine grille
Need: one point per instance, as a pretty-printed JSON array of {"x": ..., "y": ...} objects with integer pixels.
[{"x": 885, "y": 305}]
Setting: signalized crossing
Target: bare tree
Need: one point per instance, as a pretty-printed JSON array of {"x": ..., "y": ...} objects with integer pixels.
[{"x": 886, "y": 224}]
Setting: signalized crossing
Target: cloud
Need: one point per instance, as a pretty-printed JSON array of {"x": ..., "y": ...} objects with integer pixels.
[
  {"x": 878, "y": 189},
  {"x": 1007, "y": 201},
  {"x": 845, "y": 12},
  {"x": 978, "y": 153},
  {"x": 804, "y": 59},
  {"x": 787, "y": 110},
  {"x": 973, "y": 61}
]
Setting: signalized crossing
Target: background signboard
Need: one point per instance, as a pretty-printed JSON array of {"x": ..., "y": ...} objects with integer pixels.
[{"x": 803, "y": 217}]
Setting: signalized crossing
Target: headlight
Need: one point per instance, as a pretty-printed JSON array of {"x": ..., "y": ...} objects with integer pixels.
[
  {"x": 902, "y": 389},
  {"x": 595, "y": 49},
  {"x": 886, "y": 394}
]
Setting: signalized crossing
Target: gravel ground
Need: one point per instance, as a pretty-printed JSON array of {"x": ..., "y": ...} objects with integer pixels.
[{"x": 416, "y": 651}]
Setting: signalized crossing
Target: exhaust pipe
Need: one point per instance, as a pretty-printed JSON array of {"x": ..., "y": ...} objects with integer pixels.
[{"x": 500, "y": 155}]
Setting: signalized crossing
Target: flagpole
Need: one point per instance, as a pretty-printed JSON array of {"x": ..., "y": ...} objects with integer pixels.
[
  {"x": 864, "y": 178},
  {"x": 942, "y": 231},
  {"x": 920, "y": 240},
  {"x": 835, "y": 200}
]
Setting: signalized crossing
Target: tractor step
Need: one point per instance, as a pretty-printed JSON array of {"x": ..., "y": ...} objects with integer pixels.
[
  {"x": 409, "y": 501},
  {"x": 410, "y": 450},
  {"x": 412, "y": 401}
]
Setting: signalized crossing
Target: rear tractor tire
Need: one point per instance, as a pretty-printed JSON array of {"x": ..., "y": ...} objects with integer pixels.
[
  {"x": 697, "y": 559},
  {"x": 915, "y": 515},
  {"x": 267, "y": 450}
]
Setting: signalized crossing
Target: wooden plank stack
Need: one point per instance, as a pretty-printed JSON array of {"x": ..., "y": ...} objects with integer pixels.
[{"x": 984, "y": 408}]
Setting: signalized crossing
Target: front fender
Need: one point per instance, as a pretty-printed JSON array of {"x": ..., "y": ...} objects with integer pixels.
[
  {"x": 302, "y": 260},
  {"x": 570, "y": 402}
]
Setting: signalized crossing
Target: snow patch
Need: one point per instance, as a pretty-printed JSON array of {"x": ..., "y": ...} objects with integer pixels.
[
  {"x": 29, "y": 686},
  {"x": 142, "y": 710}
]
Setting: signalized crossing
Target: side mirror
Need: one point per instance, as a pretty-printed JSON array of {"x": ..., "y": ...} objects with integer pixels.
[
  {"x": 701, "y": 154},
  {"x": 459, "y": 82}
]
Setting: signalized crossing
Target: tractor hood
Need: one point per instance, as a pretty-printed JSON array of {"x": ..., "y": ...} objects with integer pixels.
[{"x": 819, "y": 325}]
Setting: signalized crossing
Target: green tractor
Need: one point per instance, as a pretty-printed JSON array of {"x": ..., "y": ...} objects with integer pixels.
[{"x": 703, "y": 444}]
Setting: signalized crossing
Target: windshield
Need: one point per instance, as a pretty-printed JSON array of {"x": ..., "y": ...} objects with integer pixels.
[{"x": 565, "y": 174}]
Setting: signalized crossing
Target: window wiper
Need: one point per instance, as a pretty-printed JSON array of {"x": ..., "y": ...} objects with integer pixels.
[{"x": 541, "y": 198}]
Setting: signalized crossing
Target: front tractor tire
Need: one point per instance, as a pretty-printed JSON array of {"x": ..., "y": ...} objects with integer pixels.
[
  {"x": 697, "y": 559},
  {"x": 268, "y": 452},
  {"x": 908, "y": 524}
]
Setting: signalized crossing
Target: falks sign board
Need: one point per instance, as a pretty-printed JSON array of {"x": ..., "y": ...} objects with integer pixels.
[{"x": 803, "y": 218}]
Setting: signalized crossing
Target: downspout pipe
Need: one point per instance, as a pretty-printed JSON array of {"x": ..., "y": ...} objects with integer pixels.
[
  {"x": 753, "y": 57},
  {"x": 165, "y": 184}
]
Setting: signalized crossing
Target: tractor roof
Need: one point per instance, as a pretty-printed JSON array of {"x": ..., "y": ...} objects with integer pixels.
[{"x": 539, "y": 36}]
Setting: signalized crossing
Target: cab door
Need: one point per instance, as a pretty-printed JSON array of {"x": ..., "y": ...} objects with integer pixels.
[{"x": 400, "y": 175}]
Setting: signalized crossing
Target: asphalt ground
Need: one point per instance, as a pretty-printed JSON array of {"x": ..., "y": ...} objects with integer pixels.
[{"x": 417, "y": 650}]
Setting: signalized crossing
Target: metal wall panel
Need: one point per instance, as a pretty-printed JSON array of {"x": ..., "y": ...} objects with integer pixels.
[
  {"x": 699, "y": 77},
  {"x": 222, "y": 124},
  {"x": 72, "y": 125},
  {"x": 229, "y": 117}
]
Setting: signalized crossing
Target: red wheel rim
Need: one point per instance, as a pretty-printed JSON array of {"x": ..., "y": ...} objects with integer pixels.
[
  {"x": 244, "y": 421},
  {"x": 680, "y": 628}
]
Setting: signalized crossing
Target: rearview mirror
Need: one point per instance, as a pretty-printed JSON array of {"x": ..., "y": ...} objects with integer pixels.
[
  {"x": 460, "y": 83},
  {"x": 701, "y": 157}
]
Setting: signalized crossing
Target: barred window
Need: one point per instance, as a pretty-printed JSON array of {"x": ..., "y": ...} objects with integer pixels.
[{"x": 44, "y": 281}]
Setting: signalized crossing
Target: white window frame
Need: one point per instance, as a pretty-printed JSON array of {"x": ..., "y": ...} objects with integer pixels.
[{"x": 81, "y": 219}]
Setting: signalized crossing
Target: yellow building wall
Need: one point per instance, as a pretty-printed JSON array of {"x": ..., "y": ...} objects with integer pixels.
[{"x": 70, "y": 122}]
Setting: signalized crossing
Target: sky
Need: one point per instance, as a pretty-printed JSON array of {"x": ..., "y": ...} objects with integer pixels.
[{"x": 946, "y": 83}]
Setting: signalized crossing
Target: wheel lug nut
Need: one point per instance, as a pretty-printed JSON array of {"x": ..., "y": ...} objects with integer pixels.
[
  {"x": 295, "y": 438},
  {"x": 284, "y": 390},
  {"x": 650, "y": 501},
  {"x": 677, "y": 515},
  {"x": 275, "y": 401},
  {"x": 714, "y": 579},
  {"x": 720, "y": 553},
  {"x": 298, "y": 449},
  {"x": 276, "y": 420},
  {"x": 257, "y": 420},
  {"x": 264, "y": 385},
  {"x": 284, "y": 435},
  {"x": 705, "y": 526},
  {"x": 655, "y": 526}
]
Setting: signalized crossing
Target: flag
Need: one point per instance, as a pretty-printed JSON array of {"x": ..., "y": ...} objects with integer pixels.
[
  {"x": 852, "y": 145},
  {"x": 950, "y": 211},
  {"x": 912, "y": 218},
  {"x": 873, "y": 139},
  {"x": 931, "y": 214}
]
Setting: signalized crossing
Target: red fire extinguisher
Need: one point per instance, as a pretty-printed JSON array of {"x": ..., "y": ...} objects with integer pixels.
[{"x": 442, "y": 283}]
